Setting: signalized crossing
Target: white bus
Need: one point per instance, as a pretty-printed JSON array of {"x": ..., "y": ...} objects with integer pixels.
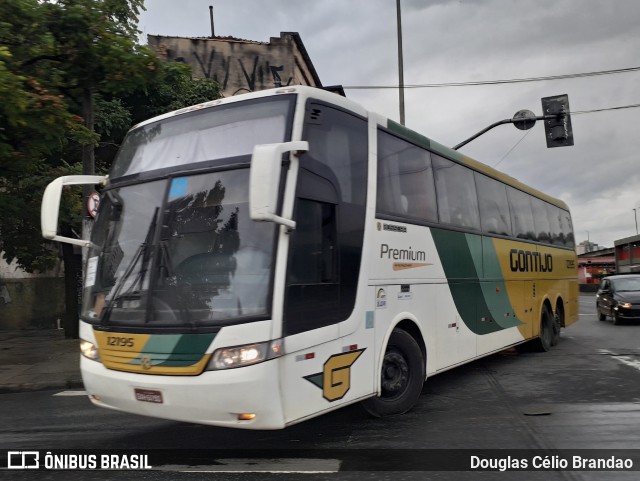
[{"x": 263, "y": 259}]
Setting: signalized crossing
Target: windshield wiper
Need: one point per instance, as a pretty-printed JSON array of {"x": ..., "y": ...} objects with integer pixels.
[
  {"x": 143, "y": 254},
  {"x": 166, "y": 263}
]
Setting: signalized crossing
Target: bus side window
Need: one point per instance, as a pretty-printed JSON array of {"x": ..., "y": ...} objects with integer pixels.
[
  {"x": 540, "y": 220},
  {"x": 555, "y": 223},
  {"x": 405, "y": 179},
  {"x": 313, "y": 259},
  {"x": 494, "y": 206},
  {"x": 521, "y": 214},
  {"x": 567, "y": 228},
  {"x": 456, "y": 191},
  {"x": 313, "y": 288},
  {"x": 339, "y": 141}
]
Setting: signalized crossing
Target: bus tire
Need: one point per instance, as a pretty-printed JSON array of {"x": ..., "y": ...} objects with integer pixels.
[
  {"x": 558, "y": 321},
  {"x": 402, "y": 376},
  {"x": 544, "y": 342}
]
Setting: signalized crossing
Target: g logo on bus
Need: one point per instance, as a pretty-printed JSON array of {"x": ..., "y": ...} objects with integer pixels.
[
  {"x": 335, "y": 378},
  {"x": 145, "y": 362}
]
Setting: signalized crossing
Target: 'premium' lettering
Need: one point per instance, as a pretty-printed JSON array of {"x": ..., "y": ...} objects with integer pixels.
[{"x": 387, "y": 252}]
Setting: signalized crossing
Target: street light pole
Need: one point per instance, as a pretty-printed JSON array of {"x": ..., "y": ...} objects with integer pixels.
[
  {"x": 635, "y": 215},
  {"x": 400, "y": 63}
]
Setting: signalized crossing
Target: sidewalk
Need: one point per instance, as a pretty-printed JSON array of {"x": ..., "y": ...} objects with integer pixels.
[{"x": 35, "y": 359}]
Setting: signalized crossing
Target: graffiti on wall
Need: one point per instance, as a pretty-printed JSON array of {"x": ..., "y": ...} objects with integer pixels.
[{"x": 238, "y": 73}]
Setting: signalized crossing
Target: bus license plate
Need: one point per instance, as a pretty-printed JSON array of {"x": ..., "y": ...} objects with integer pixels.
[{"x": 148, "y": 395}]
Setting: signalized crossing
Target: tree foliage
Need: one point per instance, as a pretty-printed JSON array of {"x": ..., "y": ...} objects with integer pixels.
[
  {"x": 172, "y": 88},
  {"x": 52, "y": 53}
]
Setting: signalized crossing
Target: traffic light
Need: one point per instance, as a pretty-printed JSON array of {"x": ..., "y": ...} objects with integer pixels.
[{"x": 557, "y": 129}]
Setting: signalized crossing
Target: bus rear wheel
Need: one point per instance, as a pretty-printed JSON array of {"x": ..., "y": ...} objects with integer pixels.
[
  {"x": 558, "y": 321},
  {"x": 545, "y": 341},
  {"x": 402, "y": 377}
]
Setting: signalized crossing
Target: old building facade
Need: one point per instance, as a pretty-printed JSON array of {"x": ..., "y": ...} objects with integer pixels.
[{"x": 241, "y": 66}]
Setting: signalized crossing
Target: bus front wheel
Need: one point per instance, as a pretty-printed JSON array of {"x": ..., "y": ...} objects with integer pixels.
[{"x": 402, "y": 376}]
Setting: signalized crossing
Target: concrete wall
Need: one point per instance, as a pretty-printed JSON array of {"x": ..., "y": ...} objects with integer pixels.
[
  {"x": 240, "y": 65},
  {"x": 30, "y": 300}
]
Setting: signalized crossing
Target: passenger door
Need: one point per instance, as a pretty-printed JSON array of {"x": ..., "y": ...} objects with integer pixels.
[{"x": 322, "y": 370}]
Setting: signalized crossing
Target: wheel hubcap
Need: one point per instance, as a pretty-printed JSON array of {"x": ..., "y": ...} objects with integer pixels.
[{"x": 395, "y": 374}]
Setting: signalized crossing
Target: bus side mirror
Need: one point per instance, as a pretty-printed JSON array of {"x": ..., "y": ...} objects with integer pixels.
[
  {"x": 51, "y": 206},
  {"x": 264, "y": 180}
]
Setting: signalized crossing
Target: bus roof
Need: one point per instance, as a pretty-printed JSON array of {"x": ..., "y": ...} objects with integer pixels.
[{"x": 330, "y": 97}]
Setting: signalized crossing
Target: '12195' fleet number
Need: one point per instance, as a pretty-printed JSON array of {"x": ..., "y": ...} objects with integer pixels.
[{"x": 120, "y": 341}]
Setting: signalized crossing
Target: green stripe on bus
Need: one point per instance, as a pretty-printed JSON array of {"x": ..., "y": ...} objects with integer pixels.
[
  {"x": 189, "y": 349},
  {"x": 194, "y": 343},
  {"x": 481, "y": 305},
  {"x": 175, "y": 350},
  {"x": 161, "y": 343},
  {"x": 415, "y": 137},
  {"x": 495, "y": 289}
]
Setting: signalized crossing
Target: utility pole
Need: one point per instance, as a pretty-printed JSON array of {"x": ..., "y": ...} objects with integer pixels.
[
  {"x": 635, "y": 215},
  {"x": 400, "y": 63},
  {"x": 213, "y": 30}
]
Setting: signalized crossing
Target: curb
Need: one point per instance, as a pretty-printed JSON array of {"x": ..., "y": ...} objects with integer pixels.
[{"x": 42, "y": 386}]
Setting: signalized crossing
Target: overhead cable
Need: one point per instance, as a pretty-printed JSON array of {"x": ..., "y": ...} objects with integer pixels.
[
  {"x": 631, "y": 106},
  {"x": 496, "y": 82}
]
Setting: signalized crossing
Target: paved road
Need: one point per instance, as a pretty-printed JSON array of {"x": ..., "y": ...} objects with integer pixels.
[{"x": 583, "y": 394}]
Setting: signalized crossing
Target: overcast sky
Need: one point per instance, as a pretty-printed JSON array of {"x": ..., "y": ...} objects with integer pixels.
[{"x": 353, "y": 43}]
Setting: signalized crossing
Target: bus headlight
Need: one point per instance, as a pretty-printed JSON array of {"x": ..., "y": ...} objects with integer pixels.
[
  {"x": 239, "y": 356},
  {"x": 89, "y": 350}
]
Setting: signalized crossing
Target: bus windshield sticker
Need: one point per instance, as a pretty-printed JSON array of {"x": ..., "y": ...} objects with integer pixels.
[
  {"x": 405, "y": 293},
  {"x": 368, "y": 322},
  {"x": 92, "y": 269},
  {"x": 178, "y": 187},
  {"x": 381, "y": 299}
]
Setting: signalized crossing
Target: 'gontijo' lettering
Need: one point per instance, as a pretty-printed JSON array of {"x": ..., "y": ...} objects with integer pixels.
[{"x": 527, "y": 261}]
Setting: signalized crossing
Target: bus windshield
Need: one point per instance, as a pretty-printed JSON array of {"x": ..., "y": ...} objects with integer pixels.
[
  {"x": 176, "y": 247},
  {"x": 179, "y": 252},
  {"x": 207, "y": 134}
]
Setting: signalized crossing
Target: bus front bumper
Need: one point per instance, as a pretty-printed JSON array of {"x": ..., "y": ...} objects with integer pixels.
[{"x": 218, "y": 398}]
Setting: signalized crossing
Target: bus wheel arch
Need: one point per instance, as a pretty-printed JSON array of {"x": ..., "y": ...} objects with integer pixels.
[
  {"x": 412, "y": 328},
  {"x": 402, "y": 372}
]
